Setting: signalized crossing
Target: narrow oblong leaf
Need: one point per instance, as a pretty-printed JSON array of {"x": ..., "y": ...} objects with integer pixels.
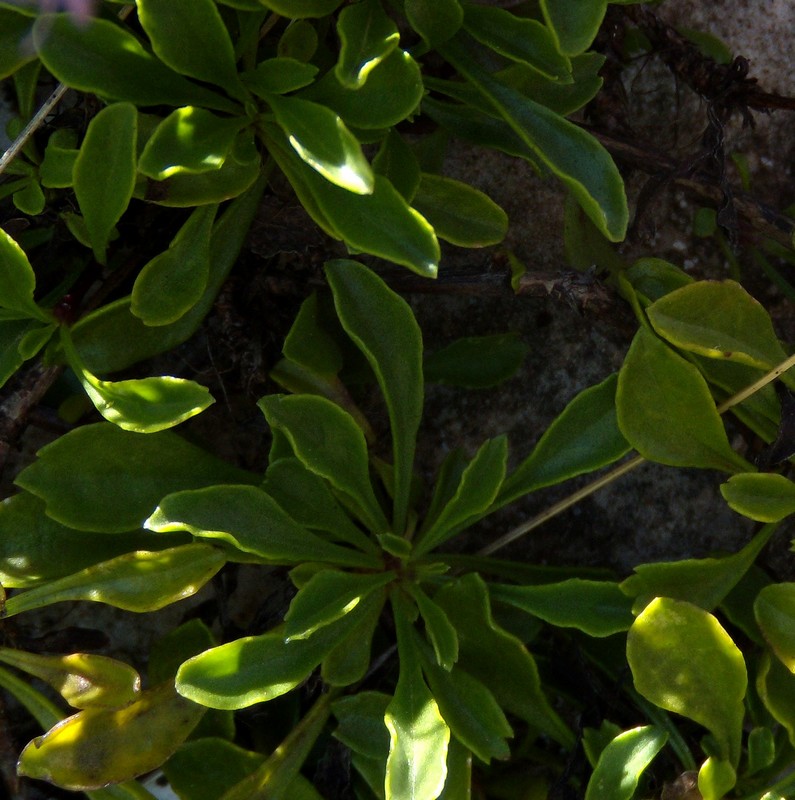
[
  {"x": 438, "y": 628},
  {"x": 623, "y": 761},
  {"x": 18, "y": 281},
  {"x": 682, "y": 660},
  {"x": 717, "y": 319},
  {"x": 251, "y": 521},
  {"x": 122, "y": 475},
  {"x": 774, "y": 609},
  {"x": 173, "y": 282},
  {"x": 100, "y": 746},
  {"x": 367, "y": 37},
  {"x": 666, "y": 411},
  {"x": 571, "y": 153},
  {"x": 279, "y": 75},
  {"x": 84, "y": 680},
  {"x": 459, "y": 213},
  {"x": 383, "y": 327},
  {"x": 191, "y": 38},
  {"x": 104, "y": 172},
  {"x": 477, "y": 490},
  {"x": 518, "y": 38},
  {"x": 79, "y": 57},
  {"x": 775, "y": 684},
  {"x": 599, "y": 608},
  {"x": 323, "y": 141},
  {"x": 189, "y": 141},
  {"x": 328, "y": 441},
  {"x": 14, "y": 49},
  {"x": 584, "y": 437},
  {"x": 140, "y": 581},
  {"x": 327, "y": 596},
  {"x": 476, "y": 362},
  {"x": 763, "y": 496},
  {"x": 574, "y": 23},
  {"x": 435, "y": 20},
  {"x": 396, "y": 161}
]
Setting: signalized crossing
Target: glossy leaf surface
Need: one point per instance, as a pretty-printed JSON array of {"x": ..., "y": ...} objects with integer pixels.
[
  {"x": 775, "y": 684},
  {"x": 622, "y": 762},
  {"x": 438, "y": 628},
  {"x": 498, "y": 658},
  {"x": 140, "y": 581},
  {"x": 189, "y": 140},
  {"x": 763, "y": 496},
  {"x": 718, "y": 320},
  {"x": 278, "y": 76},
  {"x": 122, "y": 475},
  {"x": 173, "y": 282},
  {"x": 79, "y": 57},
  {"x": 396, "y": 161},
  {"x": 435, "y": 20},
  {"x": 251, "y": 521},
  {"x": 100, "y": 746},
  {"x": 682, "y": 660},
  {"x": 598, "y": 608},
  {"x": 383, "y": 327},
  {"x": 574, "y": 23},
  {"x": 17, "y": 281},
  {"x": 323, "y": 141},
  {"x": 666, "y": 411},
  {"x": 328, "y": 441},
  {"x": 367, "y": 36},
  {"x": 459, "y": 213},
  {"x": 104, "y": 172},
  {"x": 774, "y": 609},
  {"x": 191, "y": 38},
  {"x": 584, "y": 437},
  {"x": 478, "y": 488},
  {"x": 84, "y": 680}
]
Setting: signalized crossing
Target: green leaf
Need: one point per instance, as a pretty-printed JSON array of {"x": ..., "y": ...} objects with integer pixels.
[
  {"x": 52, "y": 550},
  {"x": 191, "y": 38},
  {"x": 623, "y": 761},
  {"x": 173, "y": 282},
  {"x": 682, "y": 660},
  {"x": 574, "y": 24},
  {"x": 380, "y": 223},
  {"x": 307, "y": 498},
  {"x": 763, "y": 496},
  {"x": 299, "y": 41},
  {"x": 418, "y": 735},
  {"x": 717, "y": 320},
  {"x": 438, "y": 628},
  {"x": 15, "y": 50},
  {"x": 776, "y": 684},
  {"x": 571, "y": 153},
  {"x": 111, "y": 338},
  {"x": 367, "y": 36},
  {"x": 251, "y": 521},
  {"x": 704, "y": 582},
  {"x": 471, "y": 711},
  {"x": 278, "y": 76},
  {"x": 774, "y": 609},
  {"x": 598, "y": 608},
  {"x": 256, "y": 669},
  {"x": 14, "y": 335},
  {"x": 459, "y": 213},
  {"x": 104, "y": 59},
  {"x": 584, "y": 437},
  {"x": 309, "y": 343},
  {"x": 666, "y": 411},
  {"x": 476, "y": 491},
  {"x": 435, "y": 20},
  {"x": 396, "y": 161},
  {"x": 327, "y": 596},
  {"x": 391, "y": 93},
  {"x": 140, "y": 581},
  {"x": 57, "y": 168},
  {"x": 190, "y": 141},
  {"x": 100, "y": 746},
  {"x": 84, "y": 680},
  {"x": 383, "y": 327},
  {"x": 301, "y": 9},
  {"x": 30, "y": 199},
  {"x": 121, "y": 475},
  {"x": 18, "y": 281},
  {"x": 323, "y": 141},
  {"x": 361, "y": 723},
  {"x": 104, "y": 172},
  {"x": 476, "y": 362},
  {"x": 518, "y": 38},
  {"x": 654, "y": 278},
  {"x": 328, "y": 441},
  {"x": 497, "y": 658}
]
